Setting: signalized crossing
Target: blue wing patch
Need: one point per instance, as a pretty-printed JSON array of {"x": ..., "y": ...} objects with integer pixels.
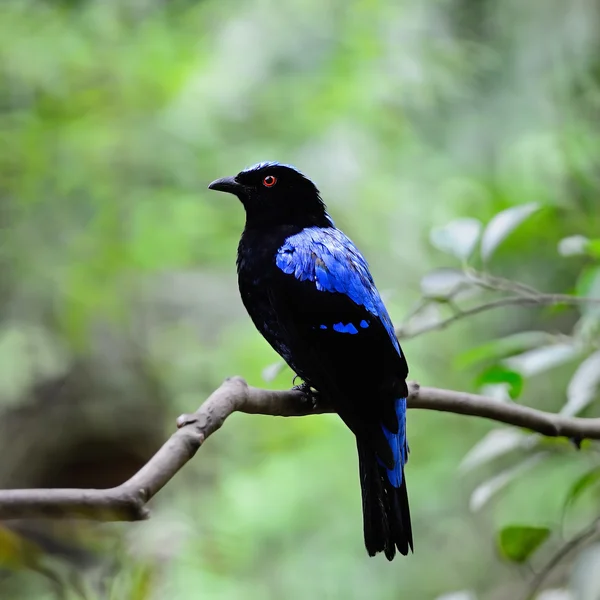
[
  {"x": 341, "y": 328},
  {"x": 346, "y": 328},
  {"x": 327, "y": 257}
]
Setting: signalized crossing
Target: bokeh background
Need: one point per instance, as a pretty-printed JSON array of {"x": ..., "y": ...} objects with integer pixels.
[{"x": 119, "y": 307}]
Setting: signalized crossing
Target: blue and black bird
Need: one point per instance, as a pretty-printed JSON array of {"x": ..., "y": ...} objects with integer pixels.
[{"x": 309, "y": 292}]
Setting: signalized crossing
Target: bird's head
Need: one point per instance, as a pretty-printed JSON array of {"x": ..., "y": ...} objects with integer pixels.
[{"x": 276, "y": 194}]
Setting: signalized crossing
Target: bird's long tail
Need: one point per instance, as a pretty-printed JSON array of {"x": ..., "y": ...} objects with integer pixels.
[{"x": 386, "y": 513}]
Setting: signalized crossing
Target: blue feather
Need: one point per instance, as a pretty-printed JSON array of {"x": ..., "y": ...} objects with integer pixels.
[
  {"x": 351, "y": 329},
  {"x": 397, "y": 442},
  {"x": 341, "y": 328},
  {"x": 326, "y": 256}
]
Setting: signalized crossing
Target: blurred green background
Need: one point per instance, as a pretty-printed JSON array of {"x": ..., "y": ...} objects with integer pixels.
[{"x": 119, "y": 306}]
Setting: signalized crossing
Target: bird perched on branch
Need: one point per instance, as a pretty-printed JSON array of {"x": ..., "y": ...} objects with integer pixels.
[{"x": 309, "y": 292}]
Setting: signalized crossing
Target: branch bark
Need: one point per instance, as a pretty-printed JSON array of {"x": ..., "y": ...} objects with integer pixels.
[{"x": 127, "y": 502}]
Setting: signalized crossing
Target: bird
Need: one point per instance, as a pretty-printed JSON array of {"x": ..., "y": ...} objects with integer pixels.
[{"x": 309, "y": 292}]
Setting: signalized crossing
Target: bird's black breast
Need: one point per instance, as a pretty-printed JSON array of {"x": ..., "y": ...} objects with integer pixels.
[{"x": 259, "y": 281}]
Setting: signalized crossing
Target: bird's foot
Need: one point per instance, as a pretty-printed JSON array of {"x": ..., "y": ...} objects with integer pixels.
[{"x": 311, "y": 396}]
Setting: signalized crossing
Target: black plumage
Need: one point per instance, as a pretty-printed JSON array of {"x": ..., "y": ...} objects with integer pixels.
[{"x": 309, "y": 292}]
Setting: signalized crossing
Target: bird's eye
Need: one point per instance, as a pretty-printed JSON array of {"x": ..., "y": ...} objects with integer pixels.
[{"x": 269, "y": 181}]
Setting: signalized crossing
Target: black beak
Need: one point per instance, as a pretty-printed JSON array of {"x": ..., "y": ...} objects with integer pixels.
[{"x": 226, "y": 184}]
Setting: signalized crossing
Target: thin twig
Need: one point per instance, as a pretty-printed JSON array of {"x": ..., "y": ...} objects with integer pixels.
[
  {"x": 501, "y": 284},
  {"x": 575, "y": 542},
  {"x": 540, "y": 300},
  {"x": 127, "y": 502}
]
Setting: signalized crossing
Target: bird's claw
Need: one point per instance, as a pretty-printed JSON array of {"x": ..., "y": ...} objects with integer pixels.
[{"x": 311, "y": 396}]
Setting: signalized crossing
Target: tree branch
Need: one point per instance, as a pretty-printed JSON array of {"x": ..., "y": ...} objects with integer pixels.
[{"x": 127, "y": 502}]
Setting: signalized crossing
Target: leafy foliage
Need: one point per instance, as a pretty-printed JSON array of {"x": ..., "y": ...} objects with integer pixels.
[
  {"x": 517, "y": 543},
  {"x": 502, "y": 225},
  {"x": 508, "y": 365}
]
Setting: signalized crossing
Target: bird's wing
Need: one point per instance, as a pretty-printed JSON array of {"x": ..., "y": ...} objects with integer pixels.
[
  {"x": 329, "y": 260},
  {"x": 341, "y": 336}
]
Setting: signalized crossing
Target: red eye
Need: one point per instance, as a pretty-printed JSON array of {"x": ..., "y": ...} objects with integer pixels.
[{"x": 269, "y": 181}]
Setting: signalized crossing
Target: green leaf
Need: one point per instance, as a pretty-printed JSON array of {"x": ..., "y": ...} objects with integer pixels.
[
  {"x": 574, "y": 245},
  {"x": 593, "y": 248},
  {"x": 502, "y": 225},
  {"x": 542, "y": 359},
  {"x": 494, "y": 444},
  {"x": 458, "y": 237},
  {"x": 518, "y": 542},
  {"x": 503, "y": 347},
  {"x": 444, "y": 283},
  {"x": 499, "y": 374},
  {"x": 584, "y": 385},
  {"x": 586, "y": 481}
]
